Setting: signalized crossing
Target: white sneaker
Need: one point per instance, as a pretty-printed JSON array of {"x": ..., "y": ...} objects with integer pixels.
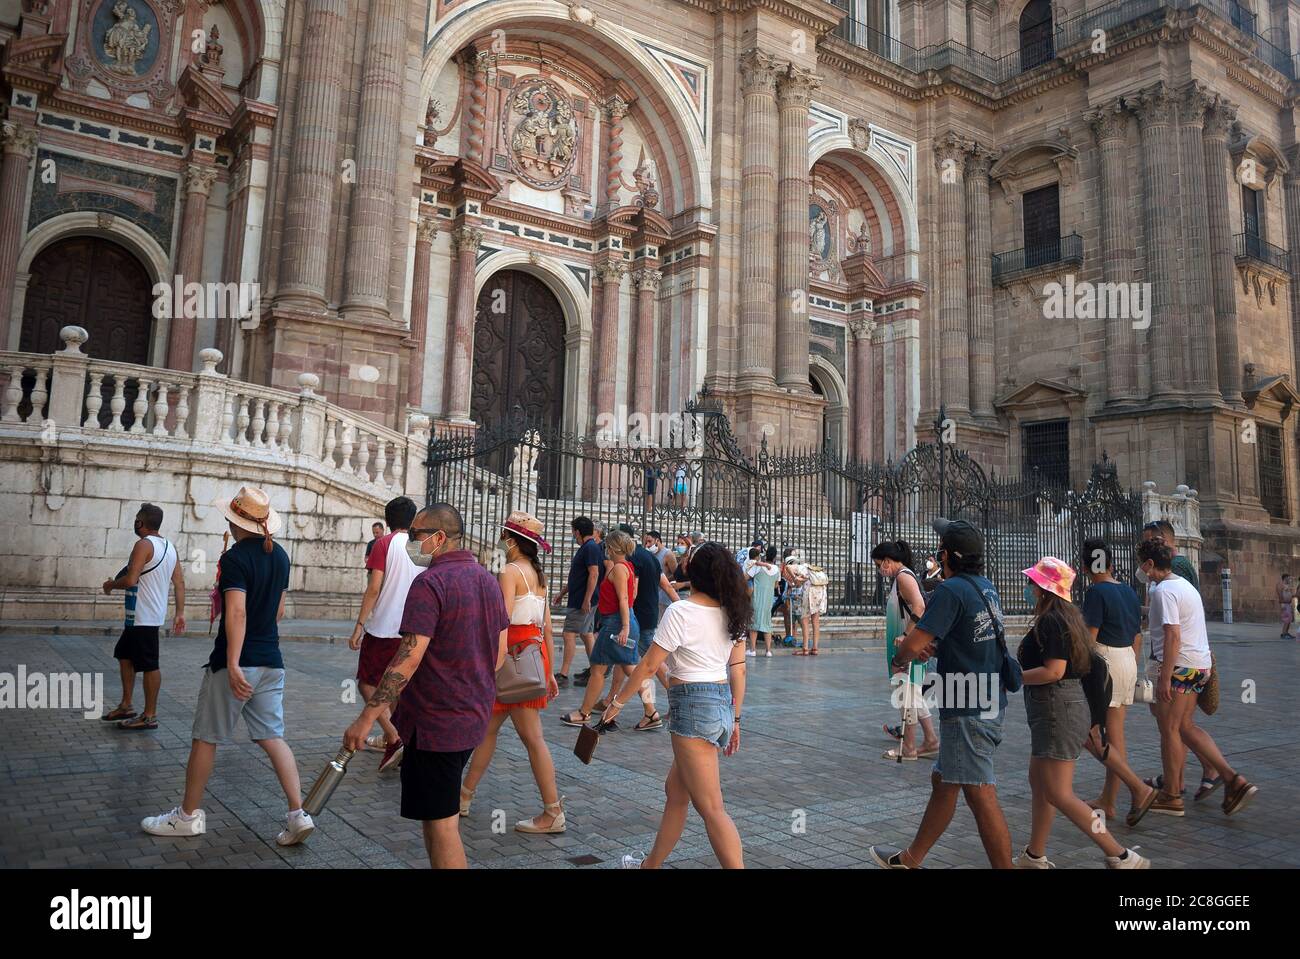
[
  {"x": 300, "y": 827},
  {"x": 768, "y": 654},
  {"x": 631, "y": 862},
  {"x": 1131, "y": 861},
  {"x": 1026, "y": 861},
  {"x": 171, "y": 824},
  {"x": 750, "y": 652}
]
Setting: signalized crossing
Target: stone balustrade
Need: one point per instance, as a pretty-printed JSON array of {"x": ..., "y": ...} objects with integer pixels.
[
  {"x": 70, "y": 394},
  {"x": 1182, "y": 510}
]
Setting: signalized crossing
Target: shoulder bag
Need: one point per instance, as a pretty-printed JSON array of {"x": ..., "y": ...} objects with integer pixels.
[{"x": 1010, "y": 673}]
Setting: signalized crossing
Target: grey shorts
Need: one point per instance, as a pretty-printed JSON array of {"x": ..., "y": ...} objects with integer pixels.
[
  {"x": 217, "y": 708},
  {"x": 1059, "y": 720},
  {"x": 576, "y": 621},
  {"x": 966, "y": 748}
]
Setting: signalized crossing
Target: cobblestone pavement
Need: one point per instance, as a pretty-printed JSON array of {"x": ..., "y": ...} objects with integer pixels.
[{"x": 72, "y": 790}]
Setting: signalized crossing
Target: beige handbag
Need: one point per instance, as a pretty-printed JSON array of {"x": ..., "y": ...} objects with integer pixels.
[{"x": 523, "y": 675}]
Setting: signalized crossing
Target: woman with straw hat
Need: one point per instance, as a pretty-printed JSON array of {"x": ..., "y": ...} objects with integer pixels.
[
  {"x": 1055, "y": 655},
  {"x": 523, "y": 585}
]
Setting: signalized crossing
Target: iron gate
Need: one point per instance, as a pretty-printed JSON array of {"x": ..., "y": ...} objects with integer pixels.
[{"x": 835, "y": 510}]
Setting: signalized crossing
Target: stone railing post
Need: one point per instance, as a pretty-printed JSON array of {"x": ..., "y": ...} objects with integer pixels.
[
  {"x": 1150, "y": 502},
  {"x": 415, "y": 481},
  {"x": 209, "y": 398},
  {"x": 68, "y": 379},
  {"x": 311, "y": 418}
]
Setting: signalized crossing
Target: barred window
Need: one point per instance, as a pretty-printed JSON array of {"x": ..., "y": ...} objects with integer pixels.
[
  {"x": 1272, "y": 476},
  {"x": 1045, "y": 447}
]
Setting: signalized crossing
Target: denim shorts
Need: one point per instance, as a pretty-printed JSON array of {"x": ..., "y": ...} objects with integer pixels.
[
  {"x": 643, "y": 644},
  {"x": 217, "y": 708},
  {"x": 966, "y": 748},
  {"x": 1059, "y": 720},
  {"x": 701, "y": 711}
]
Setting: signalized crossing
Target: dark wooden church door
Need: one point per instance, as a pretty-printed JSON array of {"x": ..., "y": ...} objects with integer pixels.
[
  {"x": 518, "y": 351},
  {"x": 93, "y": 283}
]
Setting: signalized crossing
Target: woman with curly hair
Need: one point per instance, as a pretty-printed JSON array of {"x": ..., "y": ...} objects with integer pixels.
[{"x": 701, "y": 641}]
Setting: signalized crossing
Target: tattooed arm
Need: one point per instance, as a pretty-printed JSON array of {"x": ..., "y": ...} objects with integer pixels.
[{"x": 399, "y": 672}]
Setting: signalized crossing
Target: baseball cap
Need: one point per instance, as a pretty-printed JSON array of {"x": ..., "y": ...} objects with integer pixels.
[{"x": 959, "y": 537}]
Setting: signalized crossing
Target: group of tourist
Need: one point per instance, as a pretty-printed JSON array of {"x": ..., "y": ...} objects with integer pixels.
[{"x": 435, "y": 629}]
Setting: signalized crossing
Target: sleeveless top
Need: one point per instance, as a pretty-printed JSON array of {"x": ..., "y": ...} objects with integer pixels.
[
  {"x": 146, "y": 601},
  {"x": 898, "y": 619},
  {"x": 528, "y": 610},
  {"x": 608, "y": 601}
]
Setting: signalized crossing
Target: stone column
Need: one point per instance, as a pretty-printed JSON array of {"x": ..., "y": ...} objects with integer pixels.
[
  {"x": 370, "y": 227},
  {"x": 1291, "y": 188},
  {"x": 425, "y": 230},
  {"x": 954, "y": 340},
  {"x": 313, "y": 169},
  {"x": 615, "y": 110},
  {"x": 189, "y": 260},
  {"x": 794, "y": 90},
  {"x": 18, "y": 143},
  {"x": 1154, "y": 109},
  {"x": 465, "y": 241},
  {"x": 1202, "y": 366},
  {"x": 758, "y": 219},
  {"x": 979, "y": 280},
  {"x": 1110, "y": 126},
  {"x": 477, "y": 63},
  {"x": 610, "y": 274},
  {"x": 1218, "y": 122},
  {"x": 864, "y": 413},
  {"x": 643, "y": 359}
]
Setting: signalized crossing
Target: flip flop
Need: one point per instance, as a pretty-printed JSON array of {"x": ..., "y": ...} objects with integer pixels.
[
  {"x": 654, "y": 721},
  {"x": 117, "y": 714},
  {"x": 140, "y": 722},
  {"x": 892, "y": 756},
  {"x": 1207, "y": 786},
  {"x": 928, "y": 754}
]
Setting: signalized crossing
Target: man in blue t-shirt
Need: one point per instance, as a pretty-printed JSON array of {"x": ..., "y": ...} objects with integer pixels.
[
  {"x": 585, "y": 572},
  {"x": 244, "y": 677},
  {"x": 962, "y": 628}
]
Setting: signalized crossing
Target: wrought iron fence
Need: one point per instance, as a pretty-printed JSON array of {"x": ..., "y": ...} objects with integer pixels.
[
  {"x": 1065, "y": 249},
  {"x": 836, "y": 510},
  {"x": 1256, "y": 248}
]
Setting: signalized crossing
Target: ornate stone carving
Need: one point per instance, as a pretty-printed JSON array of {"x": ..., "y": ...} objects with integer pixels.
[
  {"x": 1192, "y": 101},
  {"x": 979, "y": 161},
  {"x": 199, "y": 179},
  {"x": 1220, "y": 115},
  {"x": 16, "y": 138},
  {"x": 862, "y": 327},
  {"x": 795, "y": 85},
  {"x": 860, "y": 134},
  {"x": 950, "y": 151},
  {"x": 1109, "y": 121},
  {"x": 466, "y": 238},
  {"x": 542, "y": 133},
  {"x": 614, "y": 108},
  {"x": 426, "y": 228},
  {"x": 860, "y": 242},
  {"x": 580, "y": 14},
  {"x": 160, "y": 92},
  {"x": 79, "y": 71},
  {"x": 212, "y": 49},
  {"x": 757, "y": 72},
  {"x": 611, "y": 271},
  {"x": 105, "y": 221},
  {"x": 823, "y": 232},
  {"x": 431, "y": 114},
  {"x": 127, "y": 40},
  {"x": 646, "y": 178},
  {"x": 1152, "y": 105},
  {"x": 647, "y": 280}
]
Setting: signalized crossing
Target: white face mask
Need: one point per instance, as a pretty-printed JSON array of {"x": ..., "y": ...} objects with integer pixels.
[
  {"x": 415, "y": 551},
  {"x": 1142, "y": 576}
]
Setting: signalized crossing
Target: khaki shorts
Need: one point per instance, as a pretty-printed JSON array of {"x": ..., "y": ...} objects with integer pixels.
[
  {"x": 576, "y": 621},
  {"x": 1123, "y": 672}
]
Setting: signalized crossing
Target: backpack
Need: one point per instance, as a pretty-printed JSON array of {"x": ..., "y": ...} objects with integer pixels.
[{"x": 1098, "y": 688}]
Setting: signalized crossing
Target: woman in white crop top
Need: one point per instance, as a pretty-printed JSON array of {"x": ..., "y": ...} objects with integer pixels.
[
  {"x": 524, "y": 589},
  {"x": 701, "y": 642}
]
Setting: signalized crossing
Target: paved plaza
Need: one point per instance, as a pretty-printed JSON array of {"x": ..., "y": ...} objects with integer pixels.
[{"x": 808, "y": 787}]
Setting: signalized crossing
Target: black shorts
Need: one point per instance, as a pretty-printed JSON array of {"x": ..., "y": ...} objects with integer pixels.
[
  {"x": 431, "y": 783},
  {"x": 140, "y": 645}
]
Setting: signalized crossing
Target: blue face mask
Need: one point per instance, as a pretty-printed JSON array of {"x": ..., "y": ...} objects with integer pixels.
[{"x": 1031, "y": 594}]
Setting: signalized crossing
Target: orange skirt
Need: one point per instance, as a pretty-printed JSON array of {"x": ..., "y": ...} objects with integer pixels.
[{"x": 520, "y": 634}]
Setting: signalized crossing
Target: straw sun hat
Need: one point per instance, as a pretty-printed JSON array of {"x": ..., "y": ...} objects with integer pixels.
[
  {"x": 250, "y": 510},
  {"x": 528, "y": 526}
]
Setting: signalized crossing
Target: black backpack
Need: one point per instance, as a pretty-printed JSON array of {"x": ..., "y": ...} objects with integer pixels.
[{"x": 1098, "y": 688}]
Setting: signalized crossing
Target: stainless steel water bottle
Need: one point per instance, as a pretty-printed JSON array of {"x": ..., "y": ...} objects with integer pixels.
[{"x": 327, "y": 782}]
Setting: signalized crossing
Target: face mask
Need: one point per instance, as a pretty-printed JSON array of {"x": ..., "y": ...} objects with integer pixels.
[
  {"x": 1031, "y": 597},
  {"x": 1142, "y": 576},
  {"x": 416, "y": 553},
  {"x": 679, "y": 550}
]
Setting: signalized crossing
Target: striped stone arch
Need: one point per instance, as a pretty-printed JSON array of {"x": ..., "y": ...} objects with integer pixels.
[{"x": 661, "y": 109}]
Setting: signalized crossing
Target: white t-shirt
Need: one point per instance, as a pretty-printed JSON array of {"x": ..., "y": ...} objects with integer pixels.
[
  {"x": 385, "y": 620},
  {"x": 697, "y": 642},
  {"x": 1176, "y": 601}
]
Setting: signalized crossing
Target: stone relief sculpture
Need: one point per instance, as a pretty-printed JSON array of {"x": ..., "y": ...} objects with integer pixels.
[
  {"x": 127, "y": 40},
  {"x": 646, "y": 178},
  {"x": 543, "y": 142},
  {"x": 817, "y": 237}
]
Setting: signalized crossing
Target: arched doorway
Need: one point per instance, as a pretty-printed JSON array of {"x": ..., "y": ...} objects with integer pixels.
[
  {"x": 93, "y": 283},
  {"x": 518, "y": 351}
]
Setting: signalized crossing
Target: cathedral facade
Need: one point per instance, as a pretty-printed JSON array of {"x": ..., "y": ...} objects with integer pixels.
[{"x": 1069, "y": 226}]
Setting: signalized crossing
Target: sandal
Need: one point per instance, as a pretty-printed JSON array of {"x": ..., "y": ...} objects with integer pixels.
[
  {"x": 801, "y": 652},
  {"x": 568, "y": 718},
  {"x": 144, "y": 721},
  {"x": 892, "y": 756},
  {"x": 118, "y": 713},
  {"x": 1235, "y": 798},
  {"x": 1137, "y": 812},
  {"x": 812, "y": 652},
  {"x": 1158, "y": 783},
  {"x": 555, "y": 810},
  {"x": 376, "y": 742},
  {"x": 1207, "y": 786},
  {"x": 928, "y": 754},
  {"x": 653, "y": 721},
  {"x": 600, "y": 706}
]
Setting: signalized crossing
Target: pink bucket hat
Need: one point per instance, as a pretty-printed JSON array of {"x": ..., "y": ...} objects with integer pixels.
[{"x": 1053, "y": 575}]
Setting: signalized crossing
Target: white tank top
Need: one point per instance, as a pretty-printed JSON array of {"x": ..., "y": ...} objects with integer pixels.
[
  {"x": 528, "y": 610},
  {"x": 154, "y": 584}
]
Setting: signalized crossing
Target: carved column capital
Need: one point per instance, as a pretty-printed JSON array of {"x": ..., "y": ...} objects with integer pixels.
[
  {"x": 614, "y": 108},
  {"x": 18, "y": 139},
  {"x": 950, "y": 151},
  {"x": 647, "y": 280},
  {"x": 795, "y": 86},
  {"x": 426, "y": 228},
  {"x": 980, "y": 160},
  {"x": 199, "y": 179},
  {"x": 757, "y": 72},
  {"x": 862, "y": 327},
  {"x": 1220, "y": 115},
  {"x": 1192, "y": 102},
  {"x": 1152, "y": 105},
  {"x": 1109, "y": 121},
  {"x": 466, "y": 239},
  {"x": 610, "y": 272}
]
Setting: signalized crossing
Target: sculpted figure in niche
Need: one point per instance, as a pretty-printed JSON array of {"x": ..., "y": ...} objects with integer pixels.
[
  {"x": 817, "y": 235},
  {"x": 536, "y": 125},
  {"x": 127, "y": 40},
  {"x": 563, "y": 131}
]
